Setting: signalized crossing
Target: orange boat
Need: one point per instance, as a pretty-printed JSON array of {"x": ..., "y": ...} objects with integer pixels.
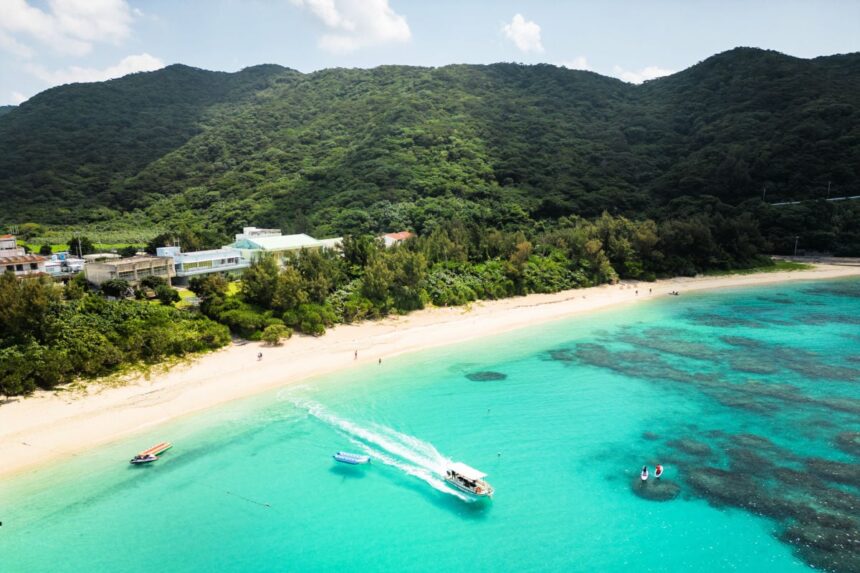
[{"x": 151, "y": 454}]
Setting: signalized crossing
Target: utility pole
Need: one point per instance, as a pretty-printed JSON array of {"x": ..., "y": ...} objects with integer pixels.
[
  {"x": 828, "y": 189},
  {"x": 796, "y": 237}
]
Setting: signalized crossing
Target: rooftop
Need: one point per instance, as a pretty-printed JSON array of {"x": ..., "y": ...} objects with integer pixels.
[
  {"x": 134, "y": 259},
  {"x": 400, "y": 236},
  {"x": 16, "y": 259},
  {"x": 279, "y": 243}
]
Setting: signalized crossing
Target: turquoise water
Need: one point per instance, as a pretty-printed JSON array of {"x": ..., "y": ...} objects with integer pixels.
[{"x": 748, "y": 397}]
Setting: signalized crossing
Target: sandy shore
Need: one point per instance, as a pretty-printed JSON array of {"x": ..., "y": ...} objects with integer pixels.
[{"x": 50, "y": 426}]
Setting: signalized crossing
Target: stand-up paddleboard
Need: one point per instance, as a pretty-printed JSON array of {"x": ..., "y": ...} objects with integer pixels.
[
  {"x": 658, "y": 471},
  {"x": 644, "y": 475}
]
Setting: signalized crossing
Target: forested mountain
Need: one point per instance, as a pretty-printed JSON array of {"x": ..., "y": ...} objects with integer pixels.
[
  {"x": 502, "y": 145},
  {"x": 4, "y": 109}
]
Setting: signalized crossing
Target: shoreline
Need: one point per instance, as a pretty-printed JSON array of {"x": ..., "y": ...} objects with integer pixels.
[{"x": 50, "y": 426}]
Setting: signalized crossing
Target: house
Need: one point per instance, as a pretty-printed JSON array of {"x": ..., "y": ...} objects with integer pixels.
[
  {"x": 23, "y": 265},
  {"x": 132, "y": 269},
  {"x": 196, "y": 263},
  {"x": 9, "y": 247},
  {"x": 391, "y": 239},
  {"x": 63, "y": 266}
]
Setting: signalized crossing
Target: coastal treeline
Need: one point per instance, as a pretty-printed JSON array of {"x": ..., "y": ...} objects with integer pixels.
[
  {"x": 50, "y": 334},
  {"x": 458, "y": 262}
]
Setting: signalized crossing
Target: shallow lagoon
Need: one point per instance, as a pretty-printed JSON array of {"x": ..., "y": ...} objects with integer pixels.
[{"x": 749, "y": 397}]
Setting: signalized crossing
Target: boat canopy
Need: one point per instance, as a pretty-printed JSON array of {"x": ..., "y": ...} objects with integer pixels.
[{"x": 466, "y": 471}]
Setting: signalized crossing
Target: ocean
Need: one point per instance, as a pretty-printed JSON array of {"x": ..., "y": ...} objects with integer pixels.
[{"x": 750, "y": 399}]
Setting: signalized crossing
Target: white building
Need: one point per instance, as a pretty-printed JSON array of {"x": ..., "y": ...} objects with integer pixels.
[
  {"x": 15, "y": 259},
  {"x": 9, "y": 247},
  {"x": 62, "y": 265},
  {"x": 279, "y": 245},
  {"x": 197, "y": 263},
  {"x": 132, "y": 269},
  {"x": 23, "y": 265},
  {"x": 255, "y": 232}
]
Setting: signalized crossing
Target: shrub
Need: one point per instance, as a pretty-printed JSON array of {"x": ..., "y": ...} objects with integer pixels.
[
  {"x": 274, "y": 333},
  {"x": 166, "y": 295}
]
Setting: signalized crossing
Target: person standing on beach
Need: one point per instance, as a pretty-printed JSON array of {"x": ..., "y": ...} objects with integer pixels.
[{"x": 356, "y": 355}]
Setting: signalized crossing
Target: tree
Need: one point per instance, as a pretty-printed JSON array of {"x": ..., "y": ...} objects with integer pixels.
[
  {"x": 260, "y": 281},
  {"x": 115, "y": 287},
  {"x": 376, "y": 282},
  {"x": 76, "y": 288},
  {"x": 29, "y": 230},
  {"x": 46, "y": 250},
  {"x": 153, "y": 281},
  {"x": 274, "y": 333},
  {"x": 80, "y": 246},
  {"x": 207, "y": 287},
  {"x": 127, "y": 252},
  {"x": 166, "y": 295}
]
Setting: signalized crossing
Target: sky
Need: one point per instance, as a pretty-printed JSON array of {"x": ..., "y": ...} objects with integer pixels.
[{"x": 44, "y": 43}]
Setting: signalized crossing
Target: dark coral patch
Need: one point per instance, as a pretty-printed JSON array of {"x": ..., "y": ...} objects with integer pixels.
[
  {"x": 849, "y": 442},
  {"x": 655, "y": 489},
  {"x": 690, "y": 447},
  {"x": 486, "y": 376}
]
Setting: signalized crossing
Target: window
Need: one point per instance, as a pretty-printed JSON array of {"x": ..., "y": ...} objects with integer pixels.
[
  {"x": 126, "y": 275},
  {"x": 34, "y": 266},
  {"x": 10, "y": 267},
  {"x": 19, "y": 267}
]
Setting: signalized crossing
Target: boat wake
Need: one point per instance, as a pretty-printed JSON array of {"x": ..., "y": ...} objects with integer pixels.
[{"x": 406, "y": 453}]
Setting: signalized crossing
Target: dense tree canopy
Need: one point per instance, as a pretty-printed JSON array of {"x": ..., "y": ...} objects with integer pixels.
[
  {"x": 504, "y": 146},
  {"x": 50, "y": 335}
]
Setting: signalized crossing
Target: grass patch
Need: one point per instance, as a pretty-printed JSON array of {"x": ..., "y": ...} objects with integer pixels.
[
  {"x": 60, "y": 247},
  {"x": 777, "y": 266},
  {"x": 184, "y": 294}
]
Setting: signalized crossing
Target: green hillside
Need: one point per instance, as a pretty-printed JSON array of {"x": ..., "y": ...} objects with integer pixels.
[{"x": 503, "y": 145}]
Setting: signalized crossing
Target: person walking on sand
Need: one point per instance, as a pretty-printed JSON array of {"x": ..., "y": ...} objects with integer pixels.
[
  {"x": 355, "y": 357},
  {"x": 380, "y": 361},
  {"x": 259, "y": 356}
]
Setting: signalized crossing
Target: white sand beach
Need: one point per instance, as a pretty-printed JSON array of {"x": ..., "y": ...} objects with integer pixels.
[{"x": 52, "y": 425}]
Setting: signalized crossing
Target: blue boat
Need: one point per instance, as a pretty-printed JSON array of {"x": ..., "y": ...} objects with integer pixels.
[{"x": 354, "y": 459}]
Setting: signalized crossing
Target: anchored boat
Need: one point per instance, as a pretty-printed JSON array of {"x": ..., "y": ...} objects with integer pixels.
[
  {"x": 354, "y": 459},
  {"x": 151, "y": 454},
  {"x": 468, "y": 479}
]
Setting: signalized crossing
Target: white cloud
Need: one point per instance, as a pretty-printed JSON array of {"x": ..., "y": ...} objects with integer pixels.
[
  {"x": 524, "y": 34},
  {"x": 355, "y": 24},
  {"x": 577, "y": 63},
  {"x": 13, "y": 46},
  {"x": 70, "y": 27},
  {"x": 639, "y": 76},
  {"x": 128, "y": 65},
  {"x": 18, "y": 98}
]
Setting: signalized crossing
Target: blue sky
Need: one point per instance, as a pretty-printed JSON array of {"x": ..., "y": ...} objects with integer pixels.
[{"x": 49, "y": 42}]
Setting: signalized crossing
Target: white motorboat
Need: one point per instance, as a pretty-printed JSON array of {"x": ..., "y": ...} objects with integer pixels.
[
  {"x": 468, "y": 479},
  {"x": 354, "y": 459}
]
